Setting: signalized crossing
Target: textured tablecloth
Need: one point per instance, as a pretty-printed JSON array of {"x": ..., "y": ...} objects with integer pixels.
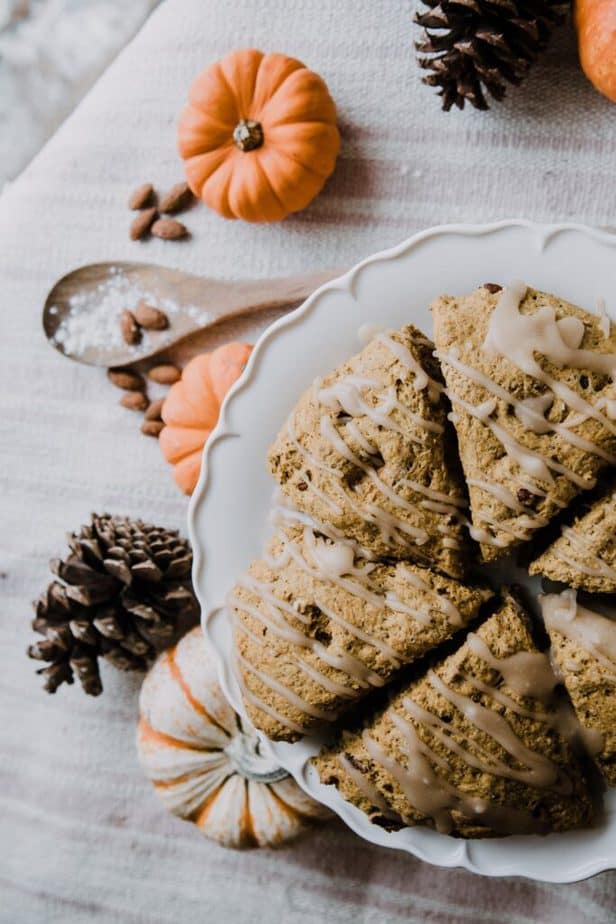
[{"x": 82, "y": 837}]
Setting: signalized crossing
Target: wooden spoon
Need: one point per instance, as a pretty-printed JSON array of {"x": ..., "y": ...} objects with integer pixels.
[{"x": 198, "y": 303}]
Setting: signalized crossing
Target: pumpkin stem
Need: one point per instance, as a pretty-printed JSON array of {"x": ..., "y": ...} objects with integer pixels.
[{"x": 248, "y": 135}]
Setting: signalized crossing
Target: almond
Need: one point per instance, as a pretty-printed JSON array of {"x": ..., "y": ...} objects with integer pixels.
[
  {"x": 134, "y": 401},
  {"x": 151, "y": 318},
  {"x": 152, "y": 427},
  {"x": 169, "y": 229},
  {"x": 165, "y": 374},
  {"x": 131, "y": 332},
  {"x": 142, "y": 223},
  {"x": 141, "y": 196},
  {"x": 154, "y": 410},
  {"x": 126, "y": 379},
  {"x": 177, "y": 199}
]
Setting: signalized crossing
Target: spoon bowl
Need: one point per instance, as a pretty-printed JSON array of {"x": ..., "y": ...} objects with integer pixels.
[{"x": 192, "y": 303}]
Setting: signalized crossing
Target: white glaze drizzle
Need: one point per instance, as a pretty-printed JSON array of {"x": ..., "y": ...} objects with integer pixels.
[
  {"x": 328, "y": 683},
  {"x": 595, "y": 634},
  {"x": 287, "y": 694},
  {"x": 421, "y": 378},
  {"x": 366, "y": 788},
  {"x": 594, "y": 567}
]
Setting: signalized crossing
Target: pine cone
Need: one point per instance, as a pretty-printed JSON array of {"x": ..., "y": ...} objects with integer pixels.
[
  {"x": 476, "y": 46},
  {"x": 126, "y": 589}
]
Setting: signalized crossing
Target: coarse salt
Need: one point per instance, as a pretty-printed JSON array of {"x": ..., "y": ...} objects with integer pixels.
[{"x": 92, "y": 322}]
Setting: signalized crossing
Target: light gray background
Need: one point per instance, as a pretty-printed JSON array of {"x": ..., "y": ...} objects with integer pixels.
[{"x": 82, "y": 838}]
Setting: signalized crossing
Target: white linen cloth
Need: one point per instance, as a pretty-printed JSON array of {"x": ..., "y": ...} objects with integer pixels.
[{"x": 82, "y": 836}]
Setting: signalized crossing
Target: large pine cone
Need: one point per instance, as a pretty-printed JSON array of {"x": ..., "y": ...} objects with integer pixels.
[
  {"x": 479, "y": 46},
  {"x": 126, "y": 592}
]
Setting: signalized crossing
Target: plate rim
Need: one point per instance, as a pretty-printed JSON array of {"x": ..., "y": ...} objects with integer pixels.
[{"x": 462, "y": 857}]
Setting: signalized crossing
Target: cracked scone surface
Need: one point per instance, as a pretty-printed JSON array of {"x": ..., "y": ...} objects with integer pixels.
[
  {"x": 425, "y": 760},
  {"x": 369, "y": 450},
  {"x": 312, "y": 637},
  {"x": 584, "y": 555},
  {"x": 587, "y": 662},
  {"x": 507, "y": 502}
]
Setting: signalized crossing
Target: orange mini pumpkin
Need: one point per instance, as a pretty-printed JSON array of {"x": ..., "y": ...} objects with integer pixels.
[
  {"x": 258, "y": 136},
  {"x": 595, "y": 21},
  {"x": 191, "y": 408}
]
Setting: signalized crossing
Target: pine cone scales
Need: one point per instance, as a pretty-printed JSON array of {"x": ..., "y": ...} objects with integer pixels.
[
  {"x": 121, "y": 595},
  {"x": 480, "y": 46}
]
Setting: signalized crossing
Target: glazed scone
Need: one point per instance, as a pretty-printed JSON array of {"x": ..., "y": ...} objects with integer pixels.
[
  {"x": 530, "y": 378},
  {"x": 584, "y": 556},
  {"x": 369, "y": 450},
  {"x": 584, "y": 647},
  {"x": 473, "y": 748},
  {"x": 318, "y": 626}
]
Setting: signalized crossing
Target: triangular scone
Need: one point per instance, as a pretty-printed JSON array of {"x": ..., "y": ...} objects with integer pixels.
[
  {"x": 530, "y": 378},
  {"x": 317, "y": 627},
  {"x": 473, "y": 748},
  {"x": 584, "y": 555},
  {"x": 368, "y": 449},
  {"x": 584, "y": 647}
]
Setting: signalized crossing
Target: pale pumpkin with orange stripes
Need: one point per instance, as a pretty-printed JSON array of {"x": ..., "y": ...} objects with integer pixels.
[{"x": 204, "y": 761}]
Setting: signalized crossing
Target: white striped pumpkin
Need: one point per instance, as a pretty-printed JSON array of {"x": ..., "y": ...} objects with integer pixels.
[{"x": 204, "y": 762}]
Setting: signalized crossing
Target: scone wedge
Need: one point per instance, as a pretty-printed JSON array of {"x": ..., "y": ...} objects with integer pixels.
[
  {"x": 584, "y": 555},
  {"x": 584, "y": 647},
  {"x": 474, "y": 748},
  {"x": 530, "y": 378},
  {"x": 368, "y": 449},
  {"x": 318, "y": 627}
]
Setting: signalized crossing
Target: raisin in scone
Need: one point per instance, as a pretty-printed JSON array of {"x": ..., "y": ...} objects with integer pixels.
[
  {"x": 369, "y": 450},
  {"x": 584, "y": 647},
  {"x": 530, "y": 378},
  {"x": 584, "y": 555},
  {"x": 318, "y": 626},
  {"x": 474, "y": 748}
]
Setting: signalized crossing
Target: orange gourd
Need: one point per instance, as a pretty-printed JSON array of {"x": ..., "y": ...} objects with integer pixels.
[
  {"x": 595, "y": 21},
  {"x": 191, "y": 408},
  {"x": 258, "y": 136}
]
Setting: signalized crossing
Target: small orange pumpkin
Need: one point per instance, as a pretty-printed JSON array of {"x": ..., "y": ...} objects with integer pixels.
[
  {"x": 258, "y": 136},
  {"x": 191, "y": 408},
  {"x": 595, "y": 21}
]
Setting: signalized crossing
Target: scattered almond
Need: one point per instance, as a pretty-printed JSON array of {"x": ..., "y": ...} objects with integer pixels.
[
  {"x": 169, "y": 229},
  {"x": 152, "y": 427},
  {"x": 142, "y": 223},
  {"x": 151, "y": 318},
  {"x": 141, "y": 196},
  {"x": 177, "y": 199},
  {"x": 131, "y": 332},
  {"x": 134, "y": 401},
  {"x": 165, "y": 374},
  {"x": 154, "y": 410},
  {"x": 126, "y": 379}
]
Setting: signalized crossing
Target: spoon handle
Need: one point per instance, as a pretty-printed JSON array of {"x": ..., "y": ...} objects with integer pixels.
[
  {"x": 232, "y": 305},
  {"x": 230, "y": 299}
]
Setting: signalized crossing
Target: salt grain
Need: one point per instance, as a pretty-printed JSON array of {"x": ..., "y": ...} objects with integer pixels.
[{"x": 92, "y": 322}]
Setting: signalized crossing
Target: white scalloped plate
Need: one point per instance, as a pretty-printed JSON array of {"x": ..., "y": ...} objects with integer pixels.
[{"x": 228, "y": 518}]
